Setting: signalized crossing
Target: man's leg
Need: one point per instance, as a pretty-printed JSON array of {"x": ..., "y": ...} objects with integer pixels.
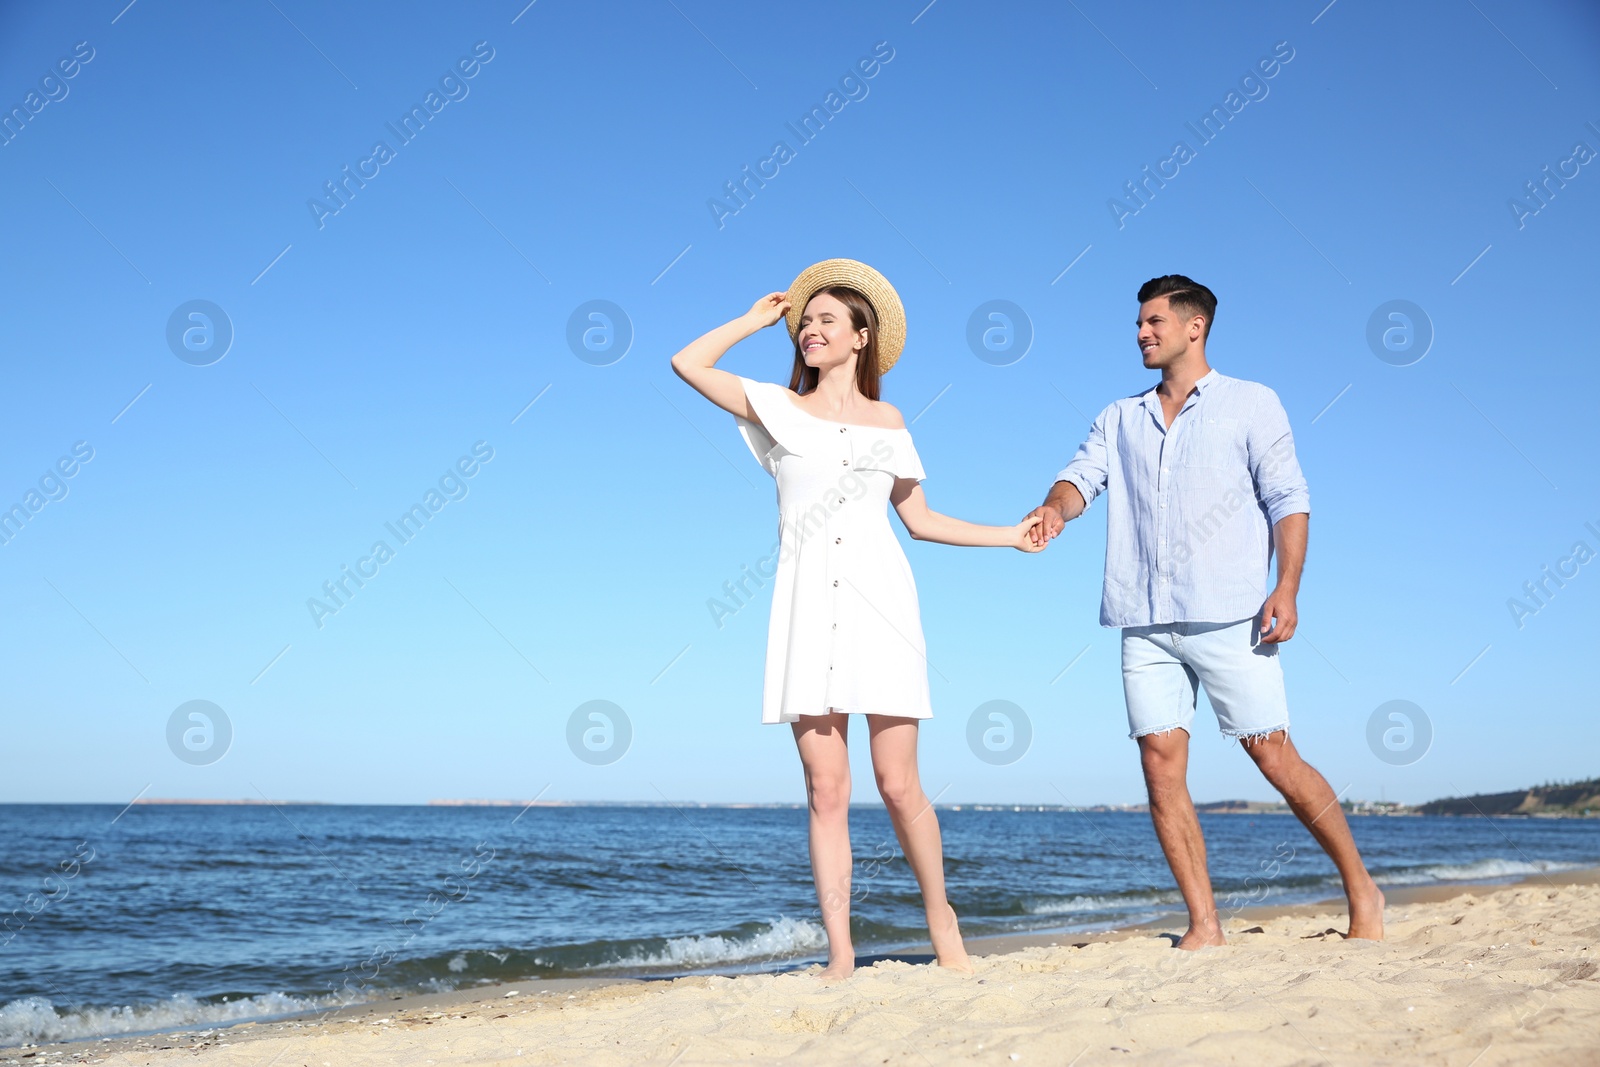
[
  {"x": 1244, "y": 679},
  {"x": 1165, "y": 757},
  {"x": 1161, "y": 694},
  {"x": 1313, "y": 801}
]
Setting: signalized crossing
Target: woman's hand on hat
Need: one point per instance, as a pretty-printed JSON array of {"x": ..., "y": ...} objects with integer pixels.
[{"x": 768, "y": 310}]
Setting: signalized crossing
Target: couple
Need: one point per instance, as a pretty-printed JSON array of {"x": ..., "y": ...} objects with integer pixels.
[{"x": 1202, "y": 487}]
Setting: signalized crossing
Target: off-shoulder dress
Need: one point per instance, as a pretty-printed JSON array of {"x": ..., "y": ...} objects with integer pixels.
[{"x": 845, "y": 633}]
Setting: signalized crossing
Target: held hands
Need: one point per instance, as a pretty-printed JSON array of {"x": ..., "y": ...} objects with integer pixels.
[
  {"x": 767, "y": 311},
  {"x": 1048, "y": 523},
  {"x": 1025, "y": 535}
]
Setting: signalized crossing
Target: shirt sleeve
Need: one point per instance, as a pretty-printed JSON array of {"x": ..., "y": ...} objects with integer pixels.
[
  {"x": 1269, "y": 445},
  {"x": 1088, "y": 469}
]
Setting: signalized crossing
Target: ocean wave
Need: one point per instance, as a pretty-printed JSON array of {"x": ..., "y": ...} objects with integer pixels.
[
  {"x": 1471, "y": 872},
  {"x": 1306, "y": 886},
  {"x": 1088, "y": 903},
  {"x": 33, "y": 1020},
  {"x": 784, "y": 938}
]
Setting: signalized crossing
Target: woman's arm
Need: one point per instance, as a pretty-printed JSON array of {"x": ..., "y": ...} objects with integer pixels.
[
  {"x": 924, "y": 524},
  {"x": 696, "y": 364}
]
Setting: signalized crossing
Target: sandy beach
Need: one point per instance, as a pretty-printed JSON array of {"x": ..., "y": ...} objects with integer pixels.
[{"x": 1482, "y": 976}]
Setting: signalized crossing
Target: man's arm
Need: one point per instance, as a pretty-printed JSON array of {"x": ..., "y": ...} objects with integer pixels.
[
  {"x": 1289, "y": 541},
  {"x": 1281, "y": 487},
  {"x": 1078, "y": 483},
  {"x": 1063, "y": 504}
]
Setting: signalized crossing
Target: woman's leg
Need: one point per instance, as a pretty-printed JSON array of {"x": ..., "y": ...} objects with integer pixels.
[
  {"x": 826, "y": 759},
  {"x": 894, "y": 761}
]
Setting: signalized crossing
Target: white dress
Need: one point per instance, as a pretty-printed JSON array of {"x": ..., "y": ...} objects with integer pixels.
[{"x": 845, "y": 633}]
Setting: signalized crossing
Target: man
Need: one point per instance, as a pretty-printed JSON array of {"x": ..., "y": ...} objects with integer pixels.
[{"x": 1202, "y": 486}]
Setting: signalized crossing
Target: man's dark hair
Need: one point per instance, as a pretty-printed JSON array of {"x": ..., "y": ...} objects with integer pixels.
[{"x": 1184, "y": 295}]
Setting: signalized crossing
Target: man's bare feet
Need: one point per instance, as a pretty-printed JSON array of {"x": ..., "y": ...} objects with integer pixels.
[
  {"x": 945, "y": 933},
  {"x": 1366, "y": 913},
  {"x": 1202, "y": 935}
]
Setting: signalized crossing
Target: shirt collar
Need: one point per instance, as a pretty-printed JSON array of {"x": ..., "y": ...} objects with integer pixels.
[{"x": 1152, "y": 398}]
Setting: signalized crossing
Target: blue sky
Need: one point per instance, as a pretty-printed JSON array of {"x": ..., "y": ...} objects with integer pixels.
[{"x": 374, "y": 347}]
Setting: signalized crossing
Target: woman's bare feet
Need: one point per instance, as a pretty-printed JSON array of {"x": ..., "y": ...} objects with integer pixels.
[
  {"x": 1366, "y": 913},
  {"x": 841, "y": 965},
  {"x": 945, "y": 933}
]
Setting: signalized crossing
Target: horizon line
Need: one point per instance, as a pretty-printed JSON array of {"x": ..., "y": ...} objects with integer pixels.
[{"x": 447, "y": 802}]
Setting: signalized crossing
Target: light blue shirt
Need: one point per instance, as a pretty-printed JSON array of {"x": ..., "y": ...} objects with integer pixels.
[{"x": 1190, "y": 508}]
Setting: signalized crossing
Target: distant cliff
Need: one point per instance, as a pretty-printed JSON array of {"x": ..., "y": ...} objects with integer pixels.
[{"x": 1566, "y": 798}]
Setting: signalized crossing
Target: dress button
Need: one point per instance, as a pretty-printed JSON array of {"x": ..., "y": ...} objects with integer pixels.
[{"x": 841, "y": 429}]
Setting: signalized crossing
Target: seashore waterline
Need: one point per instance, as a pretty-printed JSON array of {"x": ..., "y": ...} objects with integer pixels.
[{"x": 171, "y": 916}]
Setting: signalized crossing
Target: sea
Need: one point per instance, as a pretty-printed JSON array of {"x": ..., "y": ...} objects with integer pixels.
[{"x": 156, "y": 917}]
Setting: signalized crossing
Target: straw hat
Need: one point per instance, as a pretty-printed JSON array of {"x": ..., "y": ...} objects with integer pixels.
[{"x": 870, "y": 284}]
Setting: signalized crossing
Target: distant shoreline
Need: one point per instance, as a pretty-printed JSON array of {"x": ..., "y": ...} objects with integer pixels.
[{"x": 1453, "y": 807}]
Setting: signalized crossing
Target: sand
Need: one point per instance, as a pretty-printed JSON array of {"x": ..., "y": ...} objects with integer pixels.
[{"x": 1479, "y": 978}]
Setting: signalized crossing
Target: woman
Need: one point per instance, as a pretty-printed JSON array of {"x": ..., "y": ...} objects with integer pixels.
[{"x": 845, "y": 636}]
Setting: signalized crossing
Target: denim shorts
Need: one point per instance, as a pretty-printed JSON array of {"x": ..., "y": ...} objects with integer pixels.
[{"x": 1163, "y": 667}]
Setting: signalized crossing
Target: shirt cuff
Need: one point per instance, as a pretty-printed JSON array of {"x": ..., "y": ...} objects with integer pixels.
[
  {"x": 1295, "y": 503},
  {"x": 1084, "y": 490}
]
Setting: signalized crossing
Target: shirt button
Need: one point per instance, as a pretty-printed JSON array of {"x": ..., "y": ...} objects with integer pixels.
[
  {"x": 837, "y": 540},
  {"x": 841, "y": 429},
  {"x": 836, "y": 583},
  {"x": 844, "y": 463}
]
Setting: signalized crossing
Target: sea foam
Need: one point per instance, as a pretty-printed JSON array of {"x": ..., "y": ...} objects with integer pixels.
[
  {"x": 1472, "y": 872},
  {"x": 784, "y": 938},
  {"x": 33, "y": 1020},
  {"x": 1088, "y": 903}
]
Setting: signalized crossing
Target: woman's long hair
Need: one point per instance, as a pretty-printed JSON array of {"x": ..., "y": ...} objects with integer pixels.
[{"x": 804, "y": 379}]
